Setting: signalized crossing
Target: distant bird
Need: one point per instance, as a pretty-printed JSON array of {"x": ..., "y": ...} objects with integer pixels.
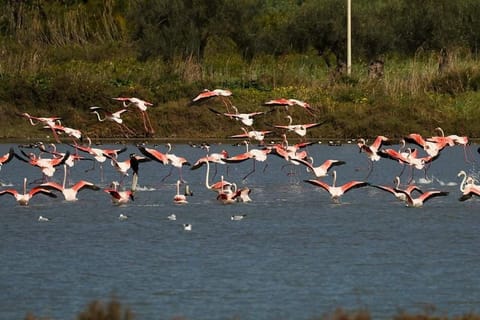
[
  {"x": 337, "y": 192},
  {"x": 290, "y": 102},
  {"x": 172, "y": 217},
  {"x": 24, "y": 198},
  {"x": 122, "y": 217},
  {"x": 142, "y": 106},
  {"x": 238, "y": 217},
  {"x": 43, "y": 219},
  {"x": 187, "y": 227},
  {"x": 179, "y": 198},
  {"x": 245, "y": 118}
]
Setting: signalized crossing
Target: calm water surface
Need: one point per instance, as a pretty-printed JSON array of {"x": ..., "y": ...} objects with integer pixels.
[{"x": 295, "y": 256}]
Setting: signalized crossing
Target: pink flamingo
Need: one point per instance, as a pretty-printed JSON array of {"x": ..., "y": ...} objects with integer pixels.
[
  {"x": 179, "y": 198},
  {"x": 223, "y": 94},
  {"x": 141, "y": 105},
  {"x": 24, "y": 198},
  {"x": 290, "y": 102},
  {"x": 245, "y": 118},
  {"x": 114, "y": 117},
  {"x": 336, "y": 192},
  {"x": 254, "y": 154}
]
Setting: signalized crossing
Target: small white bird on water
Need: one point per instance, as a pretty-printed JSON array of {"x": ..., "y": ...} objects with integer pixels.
[
  {"x": 43, "y": 219},
  {"x": 122, "y": 217},
  {"x": 187, "y": 227},
  {"x": 238, "y": 217},
  {"x": 172, "y": 217}
]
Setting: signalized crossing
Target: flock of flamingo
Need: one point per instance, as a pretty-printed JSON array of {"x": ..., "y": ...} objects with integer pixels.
[{"x": 419, "y": 155}]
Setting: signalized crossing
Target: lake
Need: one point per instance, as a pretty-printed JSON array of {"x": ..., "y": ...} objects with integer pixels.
[{"x": 296, "y": 254}]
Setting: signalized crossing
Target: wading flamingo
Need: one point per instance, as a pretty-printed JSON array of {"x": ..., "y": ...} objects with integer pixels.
[
  {"x": 119, "y": 197},
  {"x": 179, "y": 198},
  {"x": 468, "y": 187}
]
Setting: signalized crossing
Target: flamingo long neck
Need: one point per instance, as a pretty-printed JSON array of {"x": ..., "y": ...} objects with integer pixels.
[
  {"x": 462, "y": 185},
  {"x": 169, "y": 146},
  {"x": 441, "y": 131},
  {"x": 89, "y": 142},
  {"x": 178, "y": 187},
  {"x": 98, "y": 116},
  {"x": 290, "y": 120},
  {"x": 24, "y": 185},
  {"x": 207, "y": 175},
  {"x": 397, "y": 182},
  {"x": 334, "y": 178},
  {"x": 64, "y": 175}
]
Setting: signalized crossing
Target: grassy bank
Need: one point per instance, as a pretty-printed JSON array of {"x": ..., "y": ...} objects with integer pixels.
[{"x": 412, "y": 95}]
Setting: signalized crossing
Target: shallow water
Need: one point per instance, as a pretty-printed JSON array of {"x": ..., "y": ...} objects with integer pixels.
[{"x": 296, "y": 255}]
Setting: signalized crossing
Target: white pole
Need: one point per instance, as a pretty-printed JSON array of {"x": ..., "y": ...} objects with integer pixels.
[{"x": 349, "y": 37}]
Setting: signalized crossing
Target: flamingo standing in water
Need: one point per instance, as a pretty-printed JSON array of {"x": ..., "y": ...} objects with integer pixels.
[
  {"x": 69, "y": 193},
  {"x": 179, "y": 198},
  {"x": 114, "y": 117},
  {"x": 468, "y": 187},
  {"x": 141, "y": 105},
  {"x": 218, "y": 186},
  {"x": 337, "y": 191},
  {"x": 24, "y": 198}
]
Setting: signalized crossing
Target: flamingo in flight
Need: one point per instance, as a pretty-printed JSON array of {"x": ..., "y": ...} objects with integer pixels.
[
  {"x": 24, "y": 198},
  {"x": 336, "y": 192},
  {"x": 114, "y": 117},
  {"x": 69, "y": 193},
  {"x": 321, "y": 170},
  {"x": 71, "y": 132},
  {"x": 216, "y": 158},
  {"x": 50, "y": 122},
  {"x": 166, "y": 158},
  {"x": 420, "y": 200},
  {"x": 253, "y": 134},
  {"x": 254, "y": 154},
  {"x": 223, "y": 94},
  {"x": 142, "y": 106},
  {"x": 179, "y": 198},
  {"x": 6, "y": 158},
  {"x": 290, "y": 102},
  {"x": 47, "y": 166},
  {"x": 468, "y": 187},
  {"x": 245, "y": 118},
  {"x": 398, "y": 193},
  {"x": 299, "y": 129},
  {"x": 372, "y": 150},
  {"x": 131, "y": 163}
]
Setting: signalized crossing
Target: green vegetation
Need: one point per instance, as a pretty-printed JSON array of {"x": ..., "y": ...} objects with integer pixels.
[{"x": 61, "y": 57}]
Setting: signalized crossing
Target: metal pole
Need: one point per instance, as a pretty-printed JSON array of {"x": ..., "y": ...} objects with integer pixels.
[{"x": 349, "y": 37}]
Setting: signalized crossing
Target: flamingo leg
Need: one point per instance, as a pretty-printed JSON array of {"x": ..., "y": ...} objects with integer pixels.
[
  {"x": 252, "y": 171},
  {"x": 168, "y": 175}
]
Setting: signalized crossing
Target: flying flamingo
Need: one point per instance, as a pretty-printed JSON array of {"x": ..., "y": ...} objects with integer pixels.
[
  {"x": 142, "y": 105},
  {"x": 6, "y": 158},
  {"x": 24, "y": 198},
  {"x": 299, "y": 129},
  {"x": 132, "y": 162},
  {"x": 321, "y": 170},
  {"x": 371, "y": 150},
  {"x": 290, "y": 102},
  {"x": 46, "y": 121},
  {"x": 114, "y": 117},
  {"x": 420, "y": 200},
  {"x": 217, "y": 158},
  {"x": 253, "y": 134},
  {"x": 71, "y": 132},
  {"x": 245, "y": 118},
  {"x": 396, "y": 191},
  {"x": 254, "y": 154},
  {"x": 468, "y": 187},
  {"x": 223, "y": 94},
  {"x": 166, "y": 158},
  {"x": 69, "y": 193},
  {"x": 119, "y": 197},
  {"x": 179, "y": 198},
  {"x": 337, "y": 192},
  {"x": 47, "y": 166}
]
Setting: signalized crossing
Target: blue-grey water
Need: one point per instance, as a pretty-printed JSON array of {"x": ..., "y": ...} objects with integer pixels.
[{"x": 296, "y": 255}]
